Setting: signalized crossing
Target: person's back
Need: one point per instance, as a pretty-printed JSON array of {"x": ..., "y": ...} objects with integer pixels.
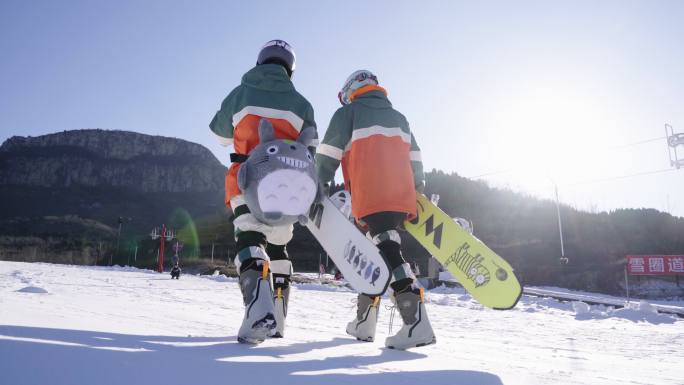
[
  {"x": 382, "y": 169},
  {"x": 375, "y": 146},
  {"x": 266, "y": 91}
]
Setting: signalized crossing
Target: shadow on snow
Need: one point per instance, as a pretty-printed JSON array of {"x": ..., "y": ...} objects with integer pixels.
[{"x": 56, "y": 356}]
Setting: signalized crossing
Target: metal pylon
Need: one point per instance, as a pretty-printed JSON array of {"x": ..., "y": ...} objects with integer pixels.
[{"x": 674, "y": 140}]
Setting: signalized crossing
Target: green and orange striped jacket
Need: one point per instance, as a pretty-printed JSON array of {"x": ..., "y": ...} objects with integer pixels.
[
  {"x": 380, "y": 158},
  {"x": 266, "y": 91}
]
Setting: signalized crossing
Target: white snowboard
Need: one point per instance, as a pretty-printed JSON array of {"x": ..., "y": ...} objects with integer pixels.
[{"x": 357, "y": 258}]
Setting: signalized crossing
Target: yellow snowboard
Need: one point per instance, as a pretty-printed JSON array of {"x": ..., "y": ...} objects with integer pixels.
[{"x": 486, "y": 276}]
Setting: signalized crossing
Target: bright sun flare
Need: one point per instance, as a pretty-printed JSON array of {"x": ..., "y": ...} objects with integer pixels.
[{"x": 552, "y": 137}]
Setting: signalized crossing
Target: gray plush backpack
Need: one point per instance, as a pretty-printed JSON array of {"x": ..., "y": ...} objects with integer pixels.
[{"x": 278, "y": 179}]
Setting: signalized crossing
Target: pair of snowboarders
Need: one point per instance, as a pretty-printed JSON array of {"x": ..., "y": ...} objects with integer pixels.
[{"x": 375, "y": 146}]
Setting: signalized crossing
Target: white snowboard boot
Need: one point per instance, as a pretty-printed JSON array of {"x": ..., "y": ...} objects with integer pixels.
[
  {"x": 282, "y": 271},
  {"x": 259, "y": 319},
  {"x": 280, "y": 300},
  {"x": 363, "y": 325},
  {"x": 416, "y": 329}
]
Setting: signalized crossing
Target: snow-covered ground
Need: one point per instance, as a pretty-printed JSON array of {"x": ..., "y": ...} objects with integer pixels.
[{"x": 86, "y": 325}]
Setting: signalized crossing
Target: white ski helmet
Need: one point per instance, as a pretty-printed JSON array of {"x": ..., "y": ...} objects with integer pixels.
[
  {"x": 278, "y": 52},
  {"x": 355, "y": 81}
]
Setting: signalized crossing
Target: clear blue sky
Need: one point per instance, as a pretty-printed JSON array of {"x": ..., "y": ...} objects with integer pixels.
[{"x": 534, "y": 92}]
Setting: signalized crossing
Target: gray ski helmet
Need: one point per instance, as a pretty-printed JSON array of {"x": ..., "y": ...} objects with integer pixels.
[
  {"x": 278, "y": 52},
  {"x": 355, "y": 81}
]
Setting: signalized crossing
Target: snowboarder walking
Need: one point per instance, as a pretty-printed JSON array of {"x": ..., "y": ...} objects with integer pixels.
[
  {"x": 382, "y": 169},
  {"x": 175, "y": 268},
  {"x": 266, "y": 91},
  {"x": 175, "y": 271}
]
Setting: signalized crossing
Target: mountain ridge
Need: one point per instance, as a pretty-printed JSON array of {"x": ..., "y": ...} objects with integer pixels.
[
  {"x": 103, "y": 191},
  {"x": 122, "y": 159}
]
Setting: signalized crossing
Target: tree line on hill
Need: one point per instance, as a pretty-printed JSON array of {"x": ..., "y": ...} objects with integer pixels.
[{"x": 522, "y": 229}]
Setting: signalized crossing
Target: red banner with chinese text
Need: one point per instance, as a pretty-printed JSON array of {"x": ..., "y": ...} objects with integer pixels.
[{"x": 655, "y": 264}]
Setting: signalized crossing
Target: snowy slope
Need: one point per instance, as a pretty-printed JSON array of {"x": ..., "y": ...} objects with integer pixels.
[{"x": 84, "y": 325}]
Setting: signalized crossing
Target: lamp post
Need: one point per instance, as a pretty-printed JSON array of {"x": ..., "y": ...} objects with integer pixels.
[
  {"x": 118, "y": 236},
  {"x": 563, "y": 259},
  {"x": 177, "y": 249}
]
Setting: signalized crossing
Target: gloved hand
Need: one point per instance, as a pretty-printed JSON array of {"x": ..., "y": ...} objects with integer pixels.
[{"x": 323, "y": 192}]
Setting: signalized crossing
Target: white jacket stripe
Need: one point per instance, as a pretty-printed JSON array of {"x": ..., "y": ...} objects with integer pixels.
[
  {"x": 237, "y": 200},
  {"x": 363, "y": 133},
  {"x": 222, "y": 140},
  {"x": 271, "y": 113},
  {"x": 331, "y": 151},
  {"x": 416, "y": 157}
]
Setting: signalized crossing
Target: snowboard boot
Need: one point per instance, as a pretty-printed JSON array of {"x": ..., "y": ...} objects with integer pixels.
[
  {"x": 255, "y": 283},
  {"x": 416, "y": 329},
  {"x": 282, "y": 271},
  {"x": 363, "y": 326},
  {"x": 281, "y": 296}
]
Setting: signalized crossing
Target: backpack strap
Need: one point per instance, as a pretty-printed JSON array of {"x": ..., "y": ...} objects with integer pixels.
[{"x": 238, "y": 158}]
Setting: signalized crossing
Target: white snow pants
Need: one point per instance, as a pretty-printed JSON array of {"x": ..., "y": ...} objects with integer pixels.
[{"x": 277, "y": 235}]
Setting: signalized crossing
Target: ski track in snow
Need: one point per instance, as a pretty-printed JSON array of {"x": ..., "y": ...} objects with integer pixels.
[{"x": 95, "y": 325}]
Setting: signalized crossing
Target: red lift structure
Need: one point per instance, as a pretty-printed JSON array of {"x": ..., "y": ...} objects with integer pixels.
[{"x": 166, "y": 235}]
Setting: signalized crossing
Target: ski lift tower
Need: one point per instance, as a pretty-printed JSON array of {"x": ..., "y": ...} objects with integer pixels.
[
  {"x": 166, "y": 235},
  {"x": 674, "y": 140}
]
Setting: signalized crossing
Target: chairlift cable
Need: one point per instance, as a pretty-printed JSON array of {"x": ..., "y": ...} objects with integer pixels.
[{"x": 621, "y": 177}]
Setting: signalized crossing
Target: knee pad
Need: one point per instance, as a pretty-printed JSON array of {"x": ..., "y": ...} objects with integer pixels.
[
  {"x": 389, "y": 243},
  {"x": 389, "y": 235},
  {"x": 251, "y": 257}
]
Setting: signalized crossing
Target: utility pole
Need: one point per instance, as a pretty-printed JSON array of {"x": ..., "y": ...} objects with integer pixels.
[
  {"x": 99, "y": 252},
  {"x": 212, "y": 247},
  {"x": 177, "y": 249},
  {"x": 563, "y": 259},
  {"x": 118, "y": 237}
]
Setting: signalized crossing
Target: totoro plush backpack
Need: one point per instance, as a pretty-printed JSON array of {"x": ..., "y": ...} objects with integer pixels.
[{"x": 278, "y": 179}]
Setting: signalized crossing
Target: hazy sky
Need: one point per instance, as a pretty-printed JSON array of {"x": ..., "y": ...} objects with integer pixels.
[{"x": 526, "y": 93}]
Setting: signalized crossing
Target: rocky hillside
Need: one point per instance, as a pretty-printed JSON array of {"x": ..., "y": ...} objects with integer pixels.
[
  {"x": 66, "y": 193},
  {"x": 119, "y": 159}
]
